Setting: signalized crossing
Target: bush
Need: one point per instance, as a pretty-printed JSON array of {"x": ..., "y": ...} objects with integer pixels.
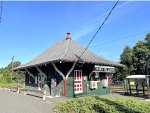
[
  {"x": 4, "y": 85},
  {"x": 103, "y": 104}
]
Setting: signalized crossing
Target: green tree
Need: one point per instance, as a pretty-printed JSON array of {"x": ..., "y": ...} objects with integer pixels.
[
  {"x": 126, "y": 59},
  {"x": 1, "y": 70},
  {"x": 120, "y": 73},
  {"x": 8, "y": 76},
  {"x": 140, "y": 52},
  {"x": 147, "y": 39},
  {"x": 15, "y": 64},
  {"x": 136, "y": 59}
]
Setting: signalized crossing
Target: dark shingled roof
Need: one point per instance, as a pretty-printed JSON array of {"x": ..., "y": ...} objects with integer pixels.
[{"x": 68, "y": 51}]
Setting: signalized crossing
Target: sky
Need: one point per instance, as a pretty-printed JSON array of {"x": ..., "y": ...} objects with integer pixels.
[{"x": 29, "y": 28}]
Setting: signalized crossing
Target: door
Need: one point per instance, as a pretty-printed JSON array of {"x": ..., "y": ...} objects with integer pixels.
[{"x": 78, "y": 81}]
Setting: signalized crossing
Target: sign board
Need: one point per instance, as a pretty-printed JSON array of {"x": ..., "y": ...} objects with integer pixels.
[
  {"x": 132, "y": 83},
  {"x": 93, "y": 84},
  {"x": 106, "y": 69}
]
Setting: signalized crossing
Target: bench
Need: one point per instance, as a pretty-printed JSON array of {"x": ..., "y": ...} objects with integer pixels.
[
  {"x": 36, "y": 92},
  {"x": 29, "y": 90},
  {"x": 14, "y": 89}
]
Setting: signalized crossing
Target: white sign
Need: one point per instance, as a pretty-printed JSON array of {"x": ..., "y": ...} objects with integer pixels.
[{"x": 106, "y": 69}]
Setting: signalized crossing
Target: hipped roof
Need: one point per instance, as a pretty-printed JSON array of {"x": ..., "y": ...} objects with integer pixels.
[{"x": 68, "y": 51}]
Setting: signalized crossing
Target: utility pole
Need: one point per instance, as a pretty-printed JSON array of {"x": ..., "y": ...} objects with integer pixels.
[{"x": 12, "y": 67}]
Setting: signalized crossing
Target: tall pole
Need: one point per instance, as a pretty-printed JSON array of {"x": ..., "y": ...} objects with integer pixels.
[
  {"x": 147, "y": 78},
  {"x": 12, "y": 67}
]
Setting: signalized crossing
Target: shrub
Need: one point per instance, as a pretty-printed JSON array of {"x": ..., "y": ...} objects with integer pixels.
[{"x": 103, "y": 104}]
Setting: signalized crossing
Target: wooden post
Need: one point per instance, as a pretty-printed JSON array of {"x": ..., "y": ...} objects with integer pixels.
[
  {"x": 64, "y": 77},
  {"x": 65, "y": 87},
  {"x": 143, "y": 88},
  {"x": 147, "y": 78},
  {"x": 125, "y": 86},
  {"x": 40, "y": 71},
  {"x": 30, "y": 74},
  {"x": 129, "y": 86},
  {"x": 87, "y": 86},
  {"x": 137, "y": 93}
]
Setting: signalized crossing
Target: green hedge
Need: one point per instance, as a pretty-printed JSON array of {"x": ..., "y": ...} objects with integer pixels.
[{"x": 103, "y": 104}]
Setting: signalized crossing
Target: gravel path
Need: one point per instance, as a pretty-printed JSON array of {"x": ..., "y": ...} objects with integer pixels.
[{"x": 11, "y": 102}]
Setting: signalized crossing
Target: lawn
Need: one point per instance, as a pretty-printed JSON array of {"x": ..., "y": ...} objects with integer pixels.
[{"x": 103, "y": 104}]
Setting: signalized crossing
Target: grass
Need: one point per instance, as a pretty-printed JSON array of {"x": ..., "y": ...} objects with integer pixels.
[
  {"x": 103, "y": 104},
  {"x": 4, "y": 85}
]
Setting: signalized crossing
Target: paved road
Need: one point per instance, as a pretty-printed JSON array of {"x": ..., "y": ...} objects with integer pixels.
[{"x": 11, "y": 102}]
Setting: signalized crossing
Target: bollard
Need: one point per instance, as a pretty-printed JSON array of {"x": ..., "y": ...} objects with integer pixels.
[
  {"x": 9, "y": 89},
  {"x": 18, "y": 91},
  {"x": 44, "y": 95},
  {"x": 25, "y": 93},
  {"x": 6, "y": 88}
]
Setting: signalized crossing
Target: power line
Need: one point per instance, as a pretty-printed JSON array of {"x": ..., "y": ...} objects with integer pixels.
[
  {"x": 111, "y": 49},
  {"x": 1, "y": 9},
  {"x": 112, "y": 41},
  {"x": 99, "y": 29}
]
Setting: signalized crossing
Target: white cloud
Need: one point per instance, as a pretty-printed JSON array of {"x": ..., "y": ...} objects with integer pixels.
[{"x": 93, "y": 24}]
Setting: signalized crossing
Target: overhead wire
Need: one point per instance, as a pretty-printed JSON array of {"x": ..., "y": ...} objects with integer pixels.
[
  {"x": 111, "y": 49},
  {"x": 112, "y": 41},
  {"x": 99, "y": 28}
]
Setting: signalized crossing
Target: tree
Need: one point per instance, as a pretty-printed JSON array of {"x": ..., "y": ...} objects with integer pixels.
[
  {"x": 147, "y": 39},
  {"x": 1, "y": 70},
  {"x": 136, "y": 59},
  {"x": 15, "y": 64},
  {"x": 120, "y": 73},
  {"x": 126, "y": 59},
  {"x": 8, "y": 75},
  {"x": 140, "y": 52}
]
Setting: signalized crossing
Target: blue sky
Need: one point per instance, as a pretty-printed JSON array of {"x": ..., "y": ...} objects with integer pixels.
[{"x": 29, "y": 28}]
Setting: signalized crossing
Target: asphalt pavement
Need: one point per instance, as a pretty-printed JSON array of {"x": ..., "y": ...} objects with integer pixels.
[{"x": 12, "y": 102}]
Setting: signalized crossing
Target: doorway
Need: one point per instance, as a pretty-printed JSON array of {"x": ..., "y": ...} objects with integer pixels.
[{"x": 78, "y": 81}]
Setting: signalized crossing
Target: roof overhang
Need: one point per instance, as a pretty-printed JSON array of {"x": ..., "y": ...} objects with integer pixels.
[
  {"x": 137, "y": 76},
  {"x": 60, "y": 60}
]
